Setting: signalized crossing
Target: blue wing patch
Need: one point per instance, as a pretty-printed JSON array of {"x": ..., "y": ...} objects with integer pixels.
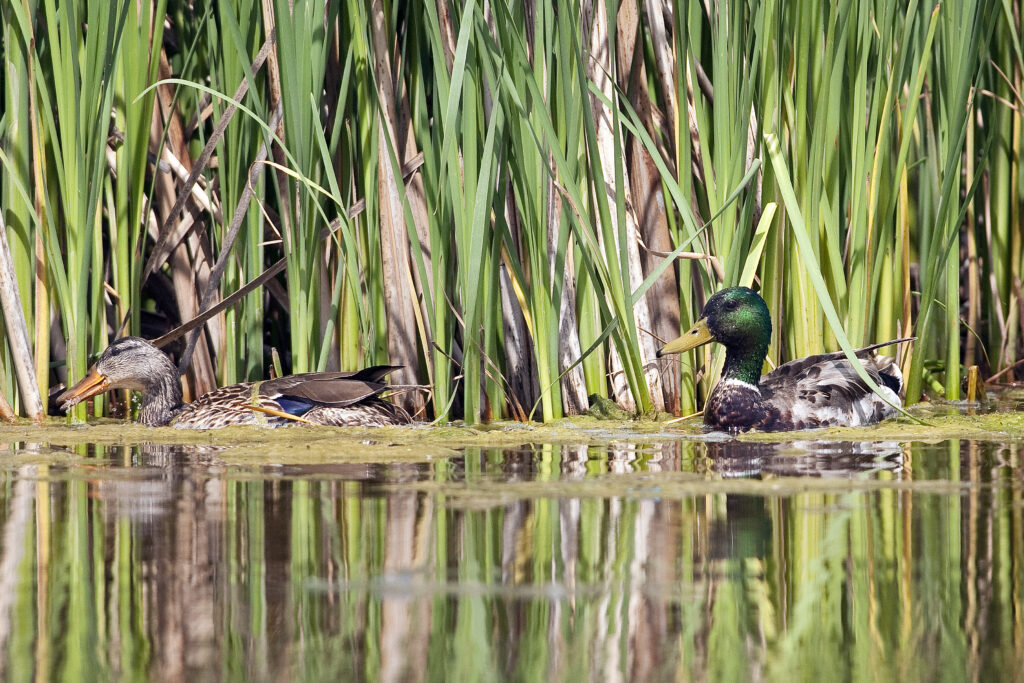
[{"x": 293, "y": 406}]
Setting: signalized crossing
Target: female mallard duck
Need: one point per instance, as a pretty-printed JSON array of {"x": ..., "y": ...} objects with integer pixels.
[
  {"x": 321, "y": 398},
  {"x": 817, "y": 391}
]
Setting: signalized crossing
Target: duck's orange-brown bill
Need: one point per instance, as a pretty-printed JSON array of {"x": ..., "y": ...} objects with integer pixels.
[
  {"x": 92, "y": 384},
  {"x": 696, "y": 336}
]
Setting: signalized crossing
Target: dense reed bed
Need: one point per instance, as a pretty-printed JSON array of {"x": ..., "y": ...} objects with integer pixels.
[{"x": 517, "y": 201}]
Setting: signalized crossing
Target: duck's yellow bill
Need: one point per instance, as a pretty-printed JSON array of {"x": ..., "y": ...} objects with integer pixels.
[{"x": 694, "y": 337}]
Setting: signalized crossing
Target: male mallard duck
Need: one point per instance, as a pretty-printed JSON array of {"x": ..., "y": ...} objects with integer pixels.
[
  {"x": 817, "y": 391},
  {"x": 322, "y": 398}
]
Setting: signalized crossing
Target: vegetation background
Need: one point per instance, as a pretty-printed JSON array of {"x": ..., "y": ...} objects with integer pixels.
[{"x": 517, "y": 201}]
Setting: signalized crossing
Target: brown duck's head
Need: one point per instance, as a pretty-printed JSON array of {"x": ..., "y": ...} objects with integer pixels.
[{"x": 128, "y": 363}]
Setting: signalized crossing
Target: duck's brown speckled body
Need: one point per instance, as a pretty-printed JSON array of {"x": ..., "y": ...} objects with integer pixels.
[
  {"x": 816, "y": 391},
  {"x": 322, "y": 398}
]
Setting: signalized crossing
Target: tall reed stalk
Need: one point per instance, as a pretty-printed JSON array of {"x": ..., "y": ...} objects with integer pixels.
[{"x": 512, "y": 199}]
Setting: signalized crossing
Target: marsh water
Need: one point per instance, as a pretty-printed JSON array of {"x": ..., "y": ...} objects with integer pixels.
[{"x": 589, "y": 553}]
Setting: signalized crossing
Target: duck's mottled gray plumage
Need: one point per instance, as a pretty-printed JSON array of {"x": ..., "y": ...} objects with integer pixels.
[
  {"x": 323, "y": 398},
  {"x": 817, "y": 391},
  {"x": 807, "y": 393}
]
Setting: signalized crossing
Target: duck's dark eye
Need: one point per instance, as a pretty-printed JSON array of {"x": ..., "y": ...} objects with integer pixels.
[{"x": 732, "y": 304}]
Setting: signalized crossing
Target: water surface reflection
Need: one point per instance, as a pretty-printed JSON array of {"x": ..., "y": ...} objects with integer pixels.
[{"x": 628, "y": 561}]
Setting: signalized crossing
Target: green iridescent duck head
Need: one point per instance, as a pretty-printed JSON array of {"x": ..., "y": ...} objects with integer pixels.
[{"x": 738, "y": 319}]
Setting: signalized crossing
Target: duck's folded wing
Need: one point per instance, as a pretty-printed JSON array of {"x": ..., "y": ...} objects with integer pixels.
[
  {"x": 826, "y": 389},
  {"x": 832, "y": 371},
  {"x": 335, "y": 389}
]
